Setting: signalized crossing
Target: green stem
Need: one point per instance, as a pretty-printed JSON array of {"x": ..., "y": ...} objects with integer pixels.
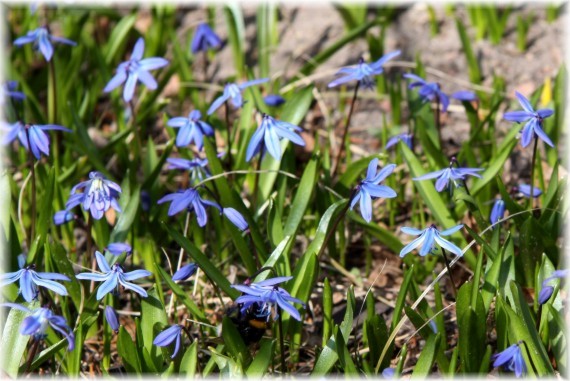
[
  {"x": 532, "y": 165},
  {"x": 345, "y": 133},
  {"x": 449, "y": 272},
  {"x": 281, "y": 341},
  {"x": 256, "y": 183},
  {"x": 33, "y": 171},
  {"x": 227, "y": 109},
  {"x": 32, "y": 354}
]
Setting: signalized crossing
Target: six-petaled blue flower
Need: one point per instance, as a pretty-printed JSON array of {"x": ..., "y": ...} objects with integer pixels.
[
  {"x": 232, "y": 91},
  {"x": 405, "y": 138},
  {"x": 98, "y": 196},
  {"x": 185, "y": 272},
  {"x": 192, "y": 129},
  {"x": 196, "y": 167},
  {"x": 113, "y": 276},
  {"x": 363, "y": 72},
  {"x": 370, "y": 187},
  {"x": 190, "y": 200},
  {"x": 525, "y": 190},
  {"x": 511, "y": 359},
  {"x": 42, "y": 40},
  {"x": 39, "y": 141},
  {"x": 135, "y": 69},
  {"x": 30, "y": 280},
  {"x": 533, "y": 119},
  {"x": 268, "y": 136},
  {"x": 204, "y": 39},
  {"x": 428, "y": 238},
  {"x": 444, "y": 175},
  {"x": 430, "y": 91},
  {"x": 169, "y": 335}
]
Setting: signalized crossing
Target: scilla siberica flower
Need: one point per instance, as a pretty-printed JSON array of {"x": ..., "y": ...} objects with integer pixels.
[
  {"x": 196, "y": 167},
  {"x": 405, "y": 138},
  {"x": 135, "y": 69},
  {"x": 431, "y": 91},
  {"x": 533, "y": 119},
  {"x": 42, "y": 40},
  {"x": 114, "y": 276},
  {"x": 30, "y": 280},
  {"x": 236, "y": 218},
  {"x": 232, "y": 91},
  {"x": 512, "y": 359},
  {"x": 363, "y": 72},
  {"x": 8, "y": 90},
  {"x": 118, "y": 248},
  {"x": 268, "y": 136},
  {"x": 428, "y": 238},
  {"x": 273, "y": 100},
  {"x": 98, "y": 196},
  {"x": 111, "y": 317},
  {"x": 192, "y": 129},
  {"x": 204, "y": 39},
  {"x": 547, "y": 290},
  {"x": 169, "y": 335},
  {"x": 444, "y": 175},
  {"x": 498, "y": 211},
  {"x": 39, "y": 141},
  {"x": 370, "y": 187},
  {"x": 190, "y": 200},
  {"x": 267, "y": 294},
  {"x": 63, "y": 216},
  {"x": 525, "y": 190},
  {"x": 185, "y": 272}
]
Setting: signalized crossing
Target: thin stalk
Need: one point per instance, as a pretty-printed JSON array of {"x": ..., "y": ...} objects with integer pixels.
[
  {"x": 206, "y": 65},
  {"x": 345, "y": 133},
  {"x": 52, "y": 111},
  {"x": 90, "y": 250},
  {"x": 227, "y": 109},
  {"x": 253, "y": 249},
  {"x": 449, "y": 271},
  {"x": 256, "y": 183},
  {"x": 32, "y": 354},
  {"x": 532, "y": 164},
  {"x": 180, "y": 255},
  {"x": 33, "y": 171},
  {"x": 281, "y": 341}
]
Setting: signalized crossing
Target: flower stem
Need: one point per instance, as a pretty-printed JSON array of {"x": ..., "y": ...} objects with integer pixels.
[
  {"x": 180, "y": 255},
  {"x": 256, "y": 183},
  {"x": 227, "y": 109},
  {"x": 33, "y": 171},
  {"x": 31, "y": 354},
  {"x": 281, "y": 341},
  {"x": 90, "y": 250},
  {"x": 345, "y": 133},
  {"x": 449, "y": 271},
  {"x": 532, "y": 165}
]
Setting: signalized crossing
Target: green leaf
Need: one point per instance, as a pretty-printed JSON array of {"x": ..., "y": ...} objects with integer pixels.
[
  {"x": 472, "y": 324},
  {"x": 236, "y": 35},
  {"x": 189, "y": 361},
  {"x": 262, "y": 360},
  {"x": 128, "y": 352},
  {"x": 153, "y": 320},
  {"x": 422, "y": 368},
  {"x": 118, "y": 37},
  {"x": 302, "y": 197},
  {"x": 127, "y": 217},
  {"x": 472, "y": 64},
  {"x": 234, "y": 343},
  {"x": 14, "y": 341}
]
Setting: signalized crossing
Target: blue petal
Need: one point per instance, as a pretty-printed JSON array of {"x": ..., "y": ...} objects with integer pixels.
[
  {"x": 272, "y": 143},
  {"x": 136, "y": 274},
  {"x": 152, "y": 63},
  {"x": 116, "y": 81},
  {"x": 108, "y": 286},
  {"x": 447, "y": 245},
  {"x": 138, "y": 50},
  {"x": 451, "y": 230},
  {"x": 102, "y": 262},
  {"x": 541, "y": 134},
  {"x": 366, "y": 205},
  {"x": 517, "y": 116},
  {"x": 524, "y": 102},
  {"x": 129, "y": 89},
  {"x": 217, "y": 103},
  {"x": 371, "y": 171},
  {"x": 255, "y": 142},
  {"x": 411, "y": 231},
  {"x": 412, "y": 245}
]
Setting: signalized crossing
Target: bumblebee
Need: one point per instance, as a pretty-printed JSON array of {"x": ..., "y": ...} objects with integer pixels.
[{"x": 250, "y": 323}]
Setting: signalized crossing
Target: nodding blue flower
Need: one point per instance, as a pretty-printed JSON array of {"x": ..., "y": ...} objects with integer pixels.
[
  {"x": 547, "y": 290},
  {"x": 204, "y": 39},
  {"x": 145, "y": 200},
  {"x": 42, "y": 40},
  {"x": 192, "y": 129},
  {"x": 428, "y": 238},
  {"x": 63, "y": 216},
  {"x": 8, "y": 90},
  {"x": 388, "y": 373},
  {"x": 511, "y": 359},
  {"x": 273, "y": 100},
  {"x": 267, "y": 294},
  {"x": 113, "y": 276},
  {"x": 190, "y": 200},
  {"x": 98, "y": 196},
  {"x": 430, "y": 91},
  {"x": 236, "y": 218},
  {"x": 370, "y": 187},
  {"x": 196, "y": 167},
  {"x": 169, "y": 335},
  {"x": 533, "y": 119},
  {"x": 39, "y": 141},
  {"x": 268, "y": 136},
  {"x": 525, "y": 190},
  {"x": 135, "y": 69},
  {"x": 185, "y": 272},
  {"x": 111, "y": 317},
  {"x": 498, "y": 211},
  {"x": 444, "y": 175},
  {"x": 30, "y": 280},
  {"x": 363, "y": 72},
  {"x": 118, "y": 248},
  {"x": 37, "y": 322},
  {"x": 405, "y": 138},
  {"x": 232, "y": 91}
]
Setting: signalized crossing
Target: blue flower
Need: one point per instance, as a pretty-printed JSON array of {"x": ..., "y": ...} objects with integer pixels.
[
  {"x": 444, "y": 175},
  {"x": 363, "y": 72},
  {"x": 498, "y": 211},
  {"x": 236, "y": 218},
  {"x": 185, "y": 272},
  {"x": 39, "y": 141},
  {"x": 63, "y": 216},
  {"x": 511, "y": 359},
  {"x": 114, "y": 276},
  {"x": 273, "y": 100},
  {"x": 547, "y": 290},
  {"x": 406, "y": 138},
  {"x": 36, "y": 324},
  {"x": 118, "y": 248},
  {"x": 135, "y": 69},
  {"x": 8, "y": 90},
  {"x": 525, "y": 190},
  {"x": 205, "y": 39},
  {"x": 99, "y": 195},
  {"x": 189, "y": 199},
  {"x": 267, "y": 294},
  {"x": 111, "y": 317},
  {"x": 268, "y": 135},
  {"x": 192, "y": 129},
  {"x": 533, "y": 121},
  {"x": 370, "y": 187},
  {"x": 42, "y": 40},
  {"x": 388, "y": 373},
  {"x": 30, "y": 280},
  {"x": 196, "y": 166},
  {"x": 167, "y": 336},
  {"x": 431, "y": 91},
  {"x": 232, "y": 91},
  {"x": 428, "y": 238}
]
